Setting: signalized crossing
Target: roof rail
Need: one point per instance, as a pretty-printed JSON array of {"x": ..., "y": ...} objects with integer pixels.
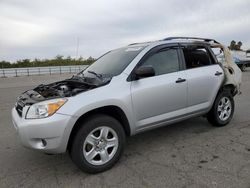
[
  {"x": 192, "y": 38},
  {"x": 133, "y": 43}
]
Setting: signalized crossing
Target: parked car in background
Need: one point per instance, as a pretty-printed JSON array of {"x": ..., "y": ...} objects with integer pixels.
[
  {"x": 127, "y": 91},
  {"x": 241, "y": 58}
]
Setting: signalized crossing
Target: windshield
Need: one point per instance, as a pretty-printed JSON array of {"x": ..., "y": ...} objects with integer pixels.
[{"x": 113, "y": 62}]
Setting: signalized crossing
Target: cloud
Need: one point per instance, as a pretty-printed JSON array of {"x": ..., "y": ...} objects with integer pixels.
[{"x": 44, "y": 28}]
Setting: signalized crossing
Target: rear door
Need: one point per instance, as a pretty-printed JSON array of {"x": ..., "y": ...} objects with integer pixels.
[
  {"x": 204, "y": 77},
  {"x": 160, "y": 98}
]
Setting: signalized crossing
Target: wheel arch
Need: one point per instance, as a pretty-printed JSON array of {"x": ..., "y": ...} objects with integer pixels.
[
  {"x": 229, "y": 87},
  {"x": 113, "y": 111}
]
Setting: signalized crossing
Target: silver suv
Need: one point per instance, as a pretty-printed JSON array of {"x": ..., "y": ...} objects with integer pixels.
[{"x": 127, "y": 91}]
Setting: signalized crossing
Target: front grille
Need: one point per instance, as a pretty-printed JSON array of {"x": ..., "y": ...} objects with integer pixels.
[{"x": 19, "y": 108}]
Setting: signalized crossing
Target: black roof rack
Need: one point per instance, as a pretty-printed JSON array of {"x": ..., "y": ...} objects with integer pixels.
[{"x": 192, "y": 38}]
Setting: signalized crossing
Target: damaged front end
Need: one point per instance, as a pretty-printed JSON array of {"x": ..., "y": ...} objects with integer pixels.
[{"x": 65, "y": 88}]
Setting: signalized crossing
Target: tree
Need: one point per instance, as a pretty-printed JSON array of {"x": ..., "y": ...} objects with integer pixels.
[
  {"x": 232, "y": 45},
  {"x": 4, "y": 64},
  {"x": 90, "y": 58},
  {"x": 239, "y": 44},
  {"x": 59, "y": 57},
  {"x": 235, "y": 46},
  {"x": 59, "y": 60}
]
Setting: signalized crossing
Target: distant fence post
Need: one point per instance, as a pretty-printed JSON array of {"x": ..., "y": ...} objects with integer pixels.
[
  {"x": 16, "y": 72},
  {"x": 60, "y": 70},
  {"x": 50, "y": 71},
  {"x": 38, "y": 71},
  {"x": 3, "y": 73},
  {"x": 28, "y": 72},
  {"x": 70, "y": 70}
]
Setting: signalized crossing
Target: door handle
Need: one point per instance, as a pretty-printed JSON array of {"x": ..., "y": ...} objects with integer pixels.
[
  {"x": 179, "y": 80},
  {"x": 218, "y": 73}
]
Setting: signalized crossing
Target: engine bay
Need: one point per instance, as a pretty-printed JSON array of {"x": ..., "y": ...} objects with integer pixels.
[
  {"x": 65, "y": 88},
  {"x": 69, "y": 87}
]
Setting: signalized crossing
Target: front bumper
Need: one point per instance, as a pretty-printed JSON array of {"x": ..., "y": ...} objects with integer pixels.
[{"x": 49, "y": 134}]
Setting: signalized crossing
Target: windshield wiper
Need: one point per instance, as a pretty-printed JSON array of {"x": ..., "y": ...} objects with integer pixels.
[
  {"x": 96, "y": 74},
  {"x": 81, "y": 72}
]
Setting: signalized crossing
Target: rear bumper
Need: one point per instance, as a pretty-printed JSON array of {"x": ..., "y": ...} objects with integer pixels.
[{"x": 49, "y": 135}]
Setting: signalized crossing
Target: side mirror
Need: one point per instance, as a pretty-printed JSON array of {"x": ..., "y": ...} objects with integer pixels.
[{"x": 144, "y": 71}]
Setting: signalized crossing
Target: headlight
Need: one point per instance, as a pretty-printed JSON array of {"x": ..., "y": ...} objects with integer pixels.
[{"x": 44, "y": 109}]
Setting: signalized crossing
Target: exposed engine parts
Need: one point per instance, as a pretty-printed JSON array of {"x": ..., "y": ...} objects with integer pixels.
[{"x": 65, "y": 88}]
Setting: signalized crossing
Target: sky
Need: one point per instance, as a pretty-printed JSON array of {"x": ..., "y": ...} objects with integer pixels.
[{"x": 47, "y": 28}]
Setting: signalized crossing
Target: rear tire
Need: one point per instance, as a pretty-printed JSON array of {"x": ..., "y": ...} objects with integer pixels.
[
  {"x": 243, "y": 68},
  {"x": 98, "y": 144},
  {"x": 222, "y": 110}
]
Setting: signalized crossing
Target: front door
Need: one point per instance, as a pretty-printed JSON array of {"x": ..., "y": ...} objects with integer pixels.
[{"x": 161, "y": 97}]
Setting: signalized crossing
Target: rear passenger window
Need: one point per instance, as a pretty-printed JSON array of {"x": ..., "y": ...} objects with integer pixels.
[
  {"x": 164, "y": 62},
  {"x": 196, "y": 57}
]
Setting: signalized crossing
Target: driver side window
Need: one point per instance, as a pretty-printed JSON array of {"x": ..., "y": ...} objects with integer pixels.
[{"x": 163, "y": 62}]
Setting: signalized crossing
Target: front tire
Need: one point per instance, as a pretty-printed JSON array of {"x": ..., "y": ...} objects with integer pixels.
[
  {"x": 222, "y": 110},
  {"x": 98, "y": 144}
]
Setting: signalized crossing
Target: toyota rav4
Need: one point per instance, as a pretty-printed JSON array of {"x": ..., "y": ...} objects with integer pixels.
[{"x": 127, "y": 91}]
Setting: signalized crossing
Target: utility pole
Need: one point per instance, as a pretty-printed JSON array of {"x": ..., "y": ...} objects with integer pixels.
[{"x": 77, "y": 46}]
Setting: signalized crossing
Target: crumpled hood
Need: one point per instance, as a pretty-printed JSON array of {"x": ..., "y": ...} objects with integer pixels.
[{"x": 65, "y": 88}]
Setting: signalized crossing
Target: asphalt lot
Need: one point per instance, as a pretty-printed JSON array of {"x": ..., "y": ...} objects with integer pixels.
[{"x": 187, "y": 154}]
